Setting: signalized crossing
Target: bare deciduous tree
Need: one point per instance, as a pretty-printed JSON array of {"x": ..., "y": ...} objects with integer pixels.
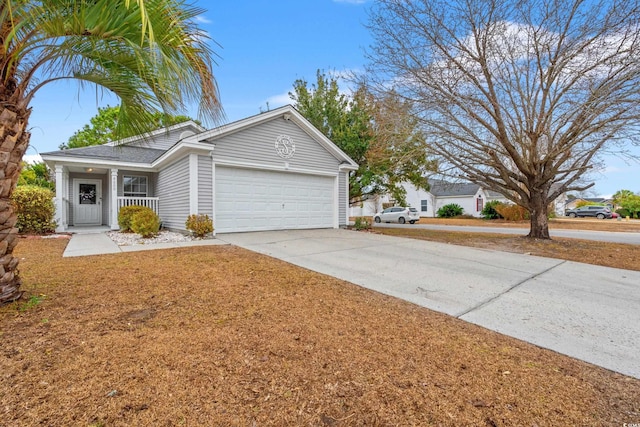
[{"x": 518, "y": 96}]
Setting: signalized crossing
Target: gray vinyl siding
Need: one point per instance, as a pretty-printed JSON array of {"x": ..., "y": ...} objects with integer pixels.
[
  {"x": 205, "y": 186},
  {"x": 343, "y": 198},
  {"x": 257, "y": 145},
  {"x": 105, "y": 195},
  {"x": 173, "y": 191}
]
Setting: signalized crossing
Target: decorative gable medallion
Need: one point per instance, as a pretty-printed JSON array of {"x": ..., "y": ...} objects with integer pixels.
[{"x": 285, "y": 147}]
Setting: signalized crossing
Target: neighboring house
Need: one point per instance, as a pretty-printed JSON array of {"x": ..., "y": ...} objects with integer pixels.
[
  {"x": 272, "y": 171},
  {"x": 471, "y": 197},
  {"x": 573, "y": 203}
]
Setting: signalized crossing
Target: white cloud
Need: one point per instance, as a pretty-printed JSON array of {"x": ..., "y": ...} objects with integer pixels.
[
  {"x": 613, "y": 169},
  {"x": 32, "y": 158},
  {"x": 279, "y": 100},
  {"x": 203, "y": 20}
]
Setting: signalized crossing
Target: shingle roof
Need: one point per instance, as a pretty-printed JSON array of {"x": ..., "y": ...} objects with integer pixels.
[
  {"x": 446, "y": 188},
  {"x": 120, "y": 153},
  {"x": 455, "y": 189},
  {"x": 494, "y": 193}
]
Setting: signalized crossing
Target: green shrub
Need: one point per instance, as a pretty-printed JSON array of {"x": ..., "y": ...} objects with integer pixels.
[
  {"x": 450, "y": 210},
  {"x": 362, "y": 223},
  {"x": 623, "y": 212},
  {"x": 512, "y": 212},
  {"x": 126, "y": 214},
  {"x": 489, "y": 211},
  {"x": 34, "y": 209},
  {"x": 145, "y": 222},
  {"x": 200, "y": 224}
]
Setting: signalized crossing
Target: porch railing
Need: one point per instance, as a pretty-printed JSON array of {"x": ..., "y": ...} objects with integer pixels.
[{"x": 150, "y": 202}]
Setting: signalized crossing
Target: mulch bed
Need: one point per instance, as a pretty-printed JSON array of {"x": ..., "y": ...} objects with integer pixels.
[{"x": 222, "y": 336}]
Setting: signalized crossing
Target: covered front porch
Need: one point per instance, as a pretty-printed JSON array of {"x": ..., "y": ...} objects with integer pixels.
[{"x": 89, "y": 197}]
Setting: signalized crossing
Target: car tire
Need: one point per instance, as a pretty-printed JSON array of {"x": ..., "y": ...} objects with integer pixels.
[
  {"x": 377, "y": 220},
  {"x": 401, "y": 220},
  {"x": 412, "y": 222},
  {"x": 600, "y": 216},
  {"x": 572, "y": 215}
]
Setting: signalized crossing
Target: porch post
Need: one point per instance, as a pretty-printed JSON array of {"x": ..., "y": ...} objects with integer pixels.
[
  {"x": 60, "y": 217},
  {"x": 114, "y": 200}
]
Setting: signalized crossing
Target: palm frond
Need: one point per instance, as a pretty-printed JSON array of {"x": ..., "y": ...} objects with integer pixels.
[{"x": 150, "y": 53}]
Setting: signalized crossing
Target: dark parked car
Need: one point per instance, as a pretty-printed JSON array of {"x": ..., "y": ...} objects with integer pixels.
[{"x": 600, "y": 212}]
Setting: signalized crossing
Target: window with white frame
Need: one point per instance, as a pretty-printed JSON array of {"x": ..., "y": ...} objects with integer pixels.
[
  {"x": 424, "y": 205},
  {"x": 134, "y": 186}
]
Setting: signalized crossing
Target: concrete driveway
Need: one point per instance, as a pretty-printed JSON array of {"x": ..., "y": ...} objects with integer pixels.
[{"x": 588, "y": 312}]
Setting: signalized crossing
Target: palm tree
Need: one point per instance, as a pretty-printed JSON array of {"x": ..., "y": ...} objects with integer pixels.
[{"x": 150, "y": 53}]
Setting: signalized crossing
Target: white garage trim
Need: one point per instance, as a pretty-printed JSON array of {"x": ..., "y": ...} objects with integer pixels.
[
  {"x": 265, "y": 166},
  {"x": 260, "y": 200},
  {"x": 213, "y": 199},
  {"x": 336, "y": 197}
]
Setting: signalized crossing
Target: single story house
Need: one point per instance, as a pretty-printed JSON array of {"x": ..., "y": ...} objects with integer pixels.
[
  {"x": 271, "y": 171},
  {"x": 572, "y": 203},
  {"x": 471, "y": 197}
]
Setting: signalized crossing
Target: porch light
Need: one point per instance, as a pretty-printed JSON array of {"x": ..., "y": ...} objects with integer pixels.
[{"x": 89, "y": 169}]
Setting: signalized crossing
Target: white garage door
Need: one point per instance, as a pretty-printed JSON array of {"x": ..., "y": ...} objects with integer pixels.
[{"x": 257, "y": 200}]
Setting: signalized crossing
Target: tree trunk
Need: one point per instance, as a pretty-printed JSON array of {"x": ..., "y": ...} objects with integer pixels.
[
  {"x": 14, "y": 140},
  {"x": 538, "y": 217}
]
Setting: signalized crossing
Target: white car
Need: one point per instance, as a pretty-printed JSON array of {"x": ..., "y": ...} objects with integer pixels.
[{"x": 397, "y": 214}]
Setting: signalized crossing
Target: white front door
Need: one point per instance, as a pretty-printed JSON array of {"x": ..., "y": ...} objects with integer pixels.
[{"x": 87, "y": 203}]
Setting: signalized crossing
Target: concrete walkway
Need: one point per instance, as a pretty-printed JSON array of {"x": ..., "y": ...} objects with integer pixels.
[
  {"x": 99, "y": 243},
  {"x": 588, "y": 312}
]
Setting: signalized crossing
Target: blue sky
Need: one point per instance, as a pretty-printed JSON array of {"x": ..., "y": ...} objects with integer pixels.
[{"x": 265, "y": 46}]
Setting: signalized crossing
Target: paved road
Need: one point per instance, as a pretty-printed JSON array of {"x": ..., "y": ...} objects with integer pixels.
[
  {"x": 632, "y": 238},
  {"x": 588, "y": 312}
]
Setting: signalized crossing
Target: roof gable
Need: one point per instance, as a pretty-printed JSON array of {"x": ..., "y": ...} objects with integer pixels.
[
  {"x": 287, "y": 113},
  {"x": 161, "y": 146},
  {"x": 441, "y": 188},
  {"x": 173, "y": 133}
]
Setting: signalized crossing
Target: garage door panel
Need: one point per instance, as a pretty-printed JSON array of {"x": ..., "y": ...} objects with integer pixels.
[
  {"x": 273, "y": 190},
  {"x": 256, "y": 200}
]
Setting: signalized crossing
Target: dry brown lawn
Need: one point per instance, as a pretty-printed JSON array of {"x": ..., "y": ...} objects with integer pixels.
[
  {"x": 615, "y": 255},
  {"x": 220, "y": 336},
  {"x": 622, "y": 225}
]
